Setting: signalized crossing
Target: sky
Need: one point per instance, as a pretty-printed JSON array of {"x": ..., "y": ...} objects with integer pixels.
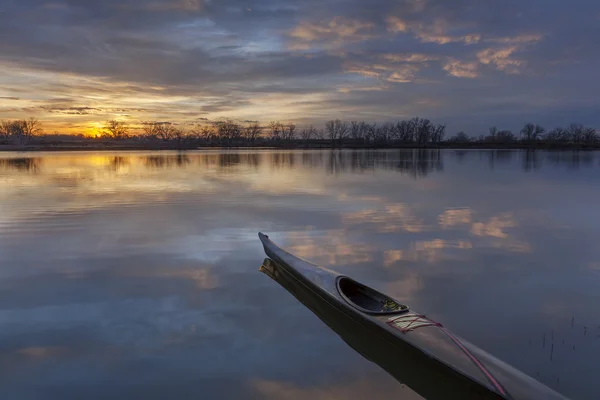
[{"x": 469, "y": 64}]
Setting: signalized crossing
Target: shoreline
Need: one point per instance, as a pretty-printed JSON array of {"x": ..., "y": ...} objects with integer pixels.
[{"x": 296, "y": 146}]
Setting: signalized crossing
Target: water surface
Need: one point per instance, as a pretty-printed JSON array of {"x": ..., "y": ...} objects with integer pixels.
[{"x": 134, "y": 275}]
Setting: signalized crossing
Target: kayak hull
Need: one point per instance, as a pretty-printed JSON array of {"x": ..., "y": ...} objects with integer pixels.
[{"x": 429, "y": 359}]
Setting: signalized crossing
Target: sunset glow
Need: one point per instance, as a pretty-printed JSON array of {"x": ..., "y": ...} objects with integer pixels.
[{"x": 467, "y": 65}]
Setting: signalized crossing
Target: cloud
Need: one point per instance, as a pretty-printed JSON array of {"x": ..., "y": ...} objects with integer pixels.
[
  {"x": 462, "y": 69},
  {"x": 431, "y": 251},
  {"x": 396, "y": 25},
  {"x": 398, "y": 74},
  {"x": 331, "y": 248},
  {"x": 181, "y": 5},
  {"x": 395, "y": 68},
  {"x": 455, "y": 217},
  {"x": 516, "y": 39},
  {"x": 502, "y": 59},
  {"x": 330, "y": 33},
  {"x": 358, "y": 388},
  {"x": 385, "y": 218},
  {"x": 495, "y": 227},
  {"x": 410, "y": 58},
  {"x": 434, "y": 32}
]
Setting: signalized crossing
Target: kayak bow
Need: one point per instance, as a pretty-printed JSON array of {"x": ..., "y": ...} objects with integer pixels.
[{"x": 414, "y": 349}]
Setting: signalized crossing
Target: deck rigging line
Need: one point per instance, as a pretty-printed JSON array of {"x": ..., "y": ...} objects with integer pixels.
[{"x": 409, "y": 322}]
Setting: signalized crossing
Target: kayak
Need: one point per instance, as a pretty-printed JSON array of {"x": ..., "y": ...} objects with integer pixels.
[{"x": 416, "y": 350}]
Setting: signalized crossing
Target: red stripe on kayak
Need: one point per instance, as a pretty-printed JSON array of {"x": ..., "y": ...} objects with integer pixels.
[{"x": 479, "y": 365}]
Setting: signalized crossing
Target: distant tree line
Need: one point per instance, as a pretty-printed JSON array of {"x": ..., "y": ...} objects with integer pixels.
[
  {"x": 336, "y": 132},
  {"x": 415, "y": 132},
  {"x": 574, "y": 134}
]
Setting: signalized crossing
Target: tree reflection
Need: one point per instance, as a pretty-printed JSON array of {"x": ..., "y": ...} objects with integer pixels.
[
  {"x": 416, "y": 163},
  {"x": 22, "y": 164},
  {"x": 166, "y": 161},
  {"x": 116, "y": 163},
  {"x": 501, "y": 156},
  {"x": 531, "y": 160},
  {"x": 572, "y": 159},
  {"x": 283, "y": 160},
  {"x": 460, "y": 155}
]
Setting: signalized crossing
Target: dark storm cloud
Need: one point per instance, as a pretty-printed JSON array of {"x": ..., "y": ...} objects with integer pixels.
[{"x": 456, "y": 60}]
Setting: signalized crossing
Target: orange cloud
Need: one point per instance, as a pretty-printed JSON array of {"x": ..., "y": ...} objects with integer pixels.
[
  {"x": 516, "y": 39},
  {"x": 389, "y": 218},
  {"x": 454, "y": 217},
  {"x": 430, "y": 251},
  {"x": 179, "y": 5},
  {"x": 495, "y": 226},
  {"x": 331, "y": 33},
  {"x": 396, "y": 68},
  {"x": 436, "y": 32},
  {"x": 410, "y": 58},
  {"x": 462, "y": 69},
  {"x": 360, "y": 388},
  {"x": 502, "y": 59}
]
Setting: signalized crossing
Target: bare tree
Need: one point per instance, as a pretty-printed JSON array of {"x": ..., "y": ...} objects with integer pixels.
[
  {"x": 357, "y": 129},
  {"x": 275, "y": 130},
  {"x": 531, "y": 132},
  {"x": 150, "y": 130},
  {"x": 308, "y": 133},
  {"x": 166, "y": 131},
  {"x": 204, "y": 132},
  {"x": 179, "y": 135},
  {"x": 337, "y": 130},
  {"x": 5, "y": 129},
  {"x": 404, "y": 132},
  {"x": 558, "y": 135},
  {"x": 228, "y": 130},
  {"x": 590, "y": 136},
  {"x": 384, "y": 132},
  {"x": 252, "y": 131},
  {"x": 438, "y": 133},
  {"x": 114, "y": 129},
  {"x": 421, "y": 129},
  {"x": 576, "y": 133},
  {"x": 32, "y": 127},
  {"x": 504, "y": 136},
  {"x": 493, "y": 133},
  {"x": 460, "y": 137},
  {"x": 370, "y": 132},
  {"x": 287, "y": 132},
  {"x": 20, "y": 131}
]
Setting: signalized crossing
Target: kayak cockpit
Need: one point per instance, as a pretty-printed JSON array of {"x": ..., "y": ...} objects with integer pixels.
[{"x": 366, "y": 299}]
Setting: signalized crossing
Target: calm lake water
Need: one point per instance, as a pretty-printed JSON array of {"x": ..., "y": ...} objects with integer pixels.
[{"x": 135, "y": 275}]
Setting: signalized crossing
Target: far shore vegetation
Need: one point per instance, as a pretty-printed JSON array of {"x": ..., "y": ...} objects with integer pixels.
[{"x": 414, "y": 133}]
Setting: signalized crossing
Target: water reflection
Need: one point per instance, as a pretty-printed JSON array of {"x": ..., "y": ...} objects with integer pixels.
[
  {"x": 117, "y": 163},
  {"x": 415, "y": 163},
  {"x": 166, "y": 161},
  {"x": 118, "y": 268},
  {"x": 572, "y": 159},
  {"x": 21, "y": 164},
  {"x": 531, "y": 160}
]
